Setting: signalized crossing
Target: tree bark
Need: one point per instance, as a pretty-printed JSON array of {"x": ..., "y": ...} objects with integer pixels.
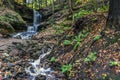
[
  {"x": 113, "y": 20},
  {"x": 46, "y": 4}
]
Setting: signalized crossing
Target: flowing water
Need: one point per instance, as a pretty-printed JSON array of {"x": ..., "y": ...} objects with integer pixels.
[
  {"x": 31, "y": 30},
  {"x": 37, "y": 68}
]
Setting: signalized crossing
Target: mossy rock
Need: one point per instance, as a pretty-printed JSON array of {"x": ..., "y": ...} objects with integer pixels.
[
  {"x": 24, "y": 11},
  {"x": 12, "y": 18},
  {"x": 6, "y": 28}
]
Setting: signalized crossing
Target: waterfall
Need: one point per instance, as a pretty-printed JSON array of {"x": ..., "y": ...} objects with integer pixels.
[
  {"x": 36, "y": 68},
  {"x": 36, "y": 20},
  {"x": 31, "y": 30}
]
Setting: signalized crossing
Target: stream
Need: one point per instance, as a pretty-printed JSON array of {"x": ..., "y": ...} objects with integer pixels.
[{"x": 36, "y": 68}]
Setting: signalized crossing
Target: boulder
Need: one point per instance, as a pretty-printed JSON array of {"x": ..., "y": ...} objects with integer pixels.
[
  {"x": 6, "y": 28},
  {"x": 10, "y": 21},
  {"x": 24, "y": 11}
]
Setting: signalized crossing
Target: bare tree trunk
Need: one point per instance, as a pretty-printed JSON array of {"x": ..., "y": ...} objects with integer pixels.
[
  {"x": 71, "y": 10},
  {"x": 113, "y": 20},
  {"x": 39, "y": 4},
  {"x": 46, "y": 4},
  {"x": 53, "y": 7},
  {"x": 24, "y": 2}
]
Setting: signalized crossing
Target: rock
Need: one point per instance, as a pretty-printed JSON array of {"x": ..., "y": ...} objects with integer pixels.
[
  {"x": 10, "y": 21},
  {"x": 40, "y": 77},
  {"x": 5, "y": 55},
  {"x": 10, "y": 64},
  {"x": 6, "y": 28},
  {"x": 25, "y": 12}
]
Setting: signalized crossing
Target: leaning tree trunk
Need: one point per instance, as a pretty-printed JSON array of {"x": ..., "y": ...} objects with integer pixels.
[{"x": 113, "y": 20}]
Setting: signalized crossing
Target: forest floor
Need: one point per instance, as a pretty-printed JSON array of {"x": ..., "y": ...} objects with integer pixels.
[
  {"x": 97, "y": 57},
  {"x": 85, "y": 50},
  {"x": 102, "y": 64}
]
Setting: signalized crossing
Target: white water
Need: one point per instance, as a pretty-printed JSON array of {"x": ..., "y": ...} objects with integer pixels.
[
  {"x": 31, "y": 30},
  {"x": 39, "y": 69}
]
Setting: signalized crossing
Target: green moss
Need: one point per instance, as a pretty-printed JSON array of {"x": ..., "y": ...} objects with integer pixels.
[
  {"x": 12, "y": 20},
  {"x": 6, "y": 28}
]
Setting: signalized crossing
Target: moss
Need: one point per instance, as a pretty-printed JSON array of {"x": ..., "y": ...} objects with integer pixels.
[
  {"x": 13, "y": 19},
  {"x": 6, "y": 28}
]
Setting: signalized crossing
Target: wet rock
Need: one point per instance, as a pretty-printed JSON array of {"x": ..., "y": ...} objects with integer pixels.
[
  {"x": 10, "y": 64},
  {"x": 59, "y": 74},
  {"x": 5, "y": 54},
  {"x": 40, "y": 77},
  {"x": 23, "y": 11}
]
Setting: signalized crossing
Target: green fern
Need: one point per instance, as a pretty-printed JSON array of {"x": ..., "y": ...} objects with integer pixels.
[
  {"x": 66, "y": 68},
  {"x": 90, "y": 57},
  {"x": 67, "y": 42}
]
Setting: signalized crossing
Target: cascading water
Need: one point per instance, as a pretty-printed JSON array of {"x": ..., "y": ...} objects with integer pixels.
[
  {"x": 40, "y": 70},
  {"x": 35, "y": 69},
  {"x": 36, "y": 21},
  {"x": 31, "y": 30}
]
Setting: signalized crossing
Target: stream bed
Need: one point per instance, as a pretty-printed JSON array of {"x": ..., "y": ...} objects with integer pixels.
[
  {"x": 24, "y": 58},
  {"x": 27, "y": 61}
]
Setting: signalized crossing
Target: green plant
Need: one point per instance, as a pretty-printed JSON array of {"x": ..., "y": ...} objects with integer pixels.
[
  {"x": 90, "y": 57},
  {"x": 67, "y": 42},
  {"x": 103, "y": 8},
  {"x": 82, "y": 13},
  {"x": 53, "y": 59},
  {"x": 69, "y": 35},
  {"x": 114, "y": 63},
  {"x": 66, "y": 27},
  {"x": 66, "y": 68},
  {"x": 97, "y": 37},
  {"x": 60, "y": 31},
  {"x": 94, "y": 19},
  {"x": 78, "y": 39}
]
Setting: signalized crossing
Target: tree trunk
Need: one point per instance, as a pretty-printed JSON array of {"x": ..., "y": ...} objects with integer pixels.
[
  {"x": 46, "y": 4},
  {"x": 53, "y": 7},
  {"x": 24, "y": 2},
  {"x": 113, "y": 20},
  {"x": 0, "y": 2}
]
